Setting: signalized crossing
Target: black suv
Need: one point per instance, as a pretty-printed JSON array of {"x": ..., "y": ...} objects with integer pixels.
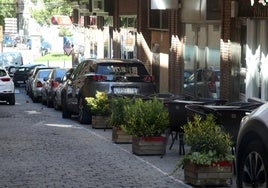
[
  {"x": 114, "y": 76},
  {"x": 22, "y": 73}
]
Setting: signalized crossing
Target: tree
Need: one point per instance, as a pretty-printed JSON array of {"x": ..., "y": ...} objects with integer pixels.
[
  {"x": 7, "y": 10},
  {"x": 51, "y": 7}
]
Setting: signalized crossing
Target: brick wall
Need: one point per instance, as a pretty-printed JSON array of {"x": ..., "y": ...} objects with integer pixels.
[{"x": 225, "y": 64}]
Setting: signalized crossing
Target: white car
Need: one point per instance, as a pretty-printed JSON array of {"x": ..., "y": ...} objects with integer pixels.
[
  {"x": 252, "y": 149},
  {"x": 6, "y": 87}
]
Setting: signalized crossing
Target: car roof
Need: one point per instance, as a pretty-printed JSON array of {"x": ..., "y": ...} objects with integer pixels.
[
  {"x": 107, "y": 60},
  {"x": 32, "y": 65}
]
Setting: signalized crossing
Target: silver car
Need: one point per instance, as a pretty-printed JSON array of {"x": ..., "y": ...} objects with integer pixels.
[{"x": 37, "y": 84}]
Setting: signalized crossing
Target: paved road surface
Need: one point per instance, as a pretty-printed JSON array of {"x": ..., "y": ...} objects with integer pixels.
[{"x": 40, "y": 149}]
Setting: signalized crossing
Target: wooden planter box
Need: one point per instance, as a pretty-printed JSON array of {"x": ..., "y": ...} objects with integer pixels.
[
  {"x": 100, "y": 122},
  {"x": 120, "y": 136},
  {"x": 149, "y": 145},
  {"x": 217, "y": 174}
]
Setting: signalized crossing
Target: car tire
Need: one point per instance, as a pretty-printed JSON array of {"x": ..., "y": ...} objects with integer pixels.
[
  {"x": 49, "y": 103},
  {"x": 252, "y": 167},
  {"x": 65, "y": 112},
  {"x": 84, "y": 115},
  {"x": 55, "y": 104},
  {"x": 11, "y": 100}
]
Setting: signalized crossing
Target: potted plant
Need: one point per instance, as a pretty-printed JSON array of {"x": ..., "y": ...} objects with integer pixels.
[
  {"x": 146, "y": 121},
  {"x": 100, "y": 109},
  {"x": 118, "y": 119},
  {"x": 209, "y": 161}
]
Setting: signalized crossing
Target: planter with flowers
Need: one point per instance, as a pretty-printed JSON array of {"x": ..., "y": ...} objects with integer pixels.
[
  {"x": 100, "y": 110},
  {"x": 209, "y": 161},
  {"x": 146, "y": 121},
  {"x": 117, "y": 119}
]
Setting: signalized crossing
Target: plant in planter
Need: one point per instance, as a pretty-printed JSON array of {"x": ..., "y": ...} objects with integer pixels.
[
  {"x": 117, "y": 119},
  {"x": 146, "y": 121},
  {"x": 209, "y": 161},
  {"x": 100, "y": 109}
]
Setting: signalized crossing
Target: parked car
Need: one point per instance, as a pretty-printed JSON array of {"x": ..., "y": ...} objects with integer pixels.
[
  {"x": 37, "y": 84},
  {"x": 114, "y": 76},
  {"x": 22, "y": 73},
  {"x": 31, "y": 77},
  {"x": 252, "y": 149},
  {"x": 6, "y": 87},
  {"x": 58, "y": 90},
  {"x": 11, "y": 60},
  {"x": 204, "y": 83},
  {"x": 50, "y": 85}
]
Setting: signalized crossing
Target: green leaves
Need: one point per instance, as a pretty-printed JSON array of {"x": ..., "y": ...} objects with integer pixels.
[
  {"x": 207, "y": 141},
  {"x": 99, "y": 105},
  {"x": 146, "y": 118},
  {"x": 118, "y": 106}
]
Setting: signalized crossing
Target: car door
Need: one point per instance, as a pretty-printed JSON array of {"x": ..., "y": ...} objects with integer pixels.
[{"x": 72, "y": 88}]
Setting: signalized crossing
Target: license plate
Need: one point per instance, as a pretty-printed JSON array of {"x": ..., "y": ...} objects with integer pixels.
[
  {"x": 123, "y": 90},
  {"x": 20, "y": 82}
]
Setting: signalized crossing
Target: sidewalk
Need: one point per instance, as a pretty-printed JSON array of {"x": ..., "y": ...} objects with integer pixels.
[{"x": 165, "y": 164}]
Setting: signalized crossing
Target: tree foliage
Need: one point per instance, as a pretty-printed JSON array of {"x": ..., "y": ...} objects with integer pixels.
[
  {"x": 50, "y": 7},
  {"x": 7, "y": 10}
]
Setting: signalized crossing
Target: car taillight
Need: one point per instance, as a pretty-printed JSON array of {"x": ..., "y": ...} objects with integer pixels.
[
  {"x": 39, "y": 84},
  {"x": 99, "y": 78},
  {"x": 5, "y": 79},
  {"x": 54, "y": 84},
  {"x": 148, "y": 79}
]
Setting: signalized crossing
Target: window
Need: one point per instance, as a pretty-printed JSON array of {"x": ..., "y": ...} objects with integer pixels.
[
  {"x": 158, "y": 19},
  {"x": 128, "y": 21}
]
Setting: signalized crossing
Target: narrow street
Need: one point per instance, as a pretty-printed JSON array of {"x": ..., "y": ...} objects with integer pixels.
[{"x": 40, "y": 149}]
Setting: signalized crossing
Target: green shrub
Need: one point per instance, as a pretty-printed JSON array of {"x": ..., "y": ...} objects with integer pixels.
[
  {"x": 146, "y": 118},
  {"x": 207, "y": 141},
  {"x": 99, "y": 105},
  {"x": 118, "y": 115}
]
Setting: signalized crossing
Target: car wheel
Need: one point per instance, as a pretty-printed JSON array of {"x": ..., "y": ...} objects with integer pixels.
[
  {"x": 65, "y": 111},
  {"x": 55, "y": 104},
  {"x": 11, "y": 100},
  {"x": 43, "y": 101},
  {"x": 84, "y": 115},
  {"x": 252, "y": 171},
  {"x": 49, "y": 103}
]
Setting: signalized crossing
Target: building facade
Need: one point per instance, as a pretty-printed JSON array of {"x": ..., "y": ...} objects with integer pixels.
[{"x": 177, "y": 37}]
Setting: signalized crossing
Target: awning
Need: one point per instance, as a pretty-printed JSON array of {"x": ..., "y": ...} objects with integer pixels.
[{"x": 61, "y": 20}]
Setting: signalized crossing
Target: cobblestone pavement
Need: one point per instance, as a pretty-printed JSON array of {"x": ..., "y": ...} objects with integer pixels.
[{"x": 40, "y": 149}]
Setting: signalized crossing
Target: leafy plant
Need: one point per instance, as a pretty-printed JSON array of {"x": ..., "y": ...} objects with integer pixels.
[
  {"x": 208, "y": 142},
  {"x": 118, "y": 106},
  {"x": 146, "y": 118},
  {"x": 99, "y": 105}
]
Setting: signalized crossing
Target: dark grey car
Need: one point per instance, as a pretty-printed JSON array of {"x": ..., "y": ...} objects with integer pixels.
[{"x": 114, "y": 76}]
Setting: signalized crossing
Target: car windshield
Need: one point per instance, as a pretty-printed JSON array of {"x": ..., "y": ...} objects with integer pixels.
[
  {"x": 43, "y": 73},
  {"x": 59, "y": 73},
  {"x": 122, "y": 69}
]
